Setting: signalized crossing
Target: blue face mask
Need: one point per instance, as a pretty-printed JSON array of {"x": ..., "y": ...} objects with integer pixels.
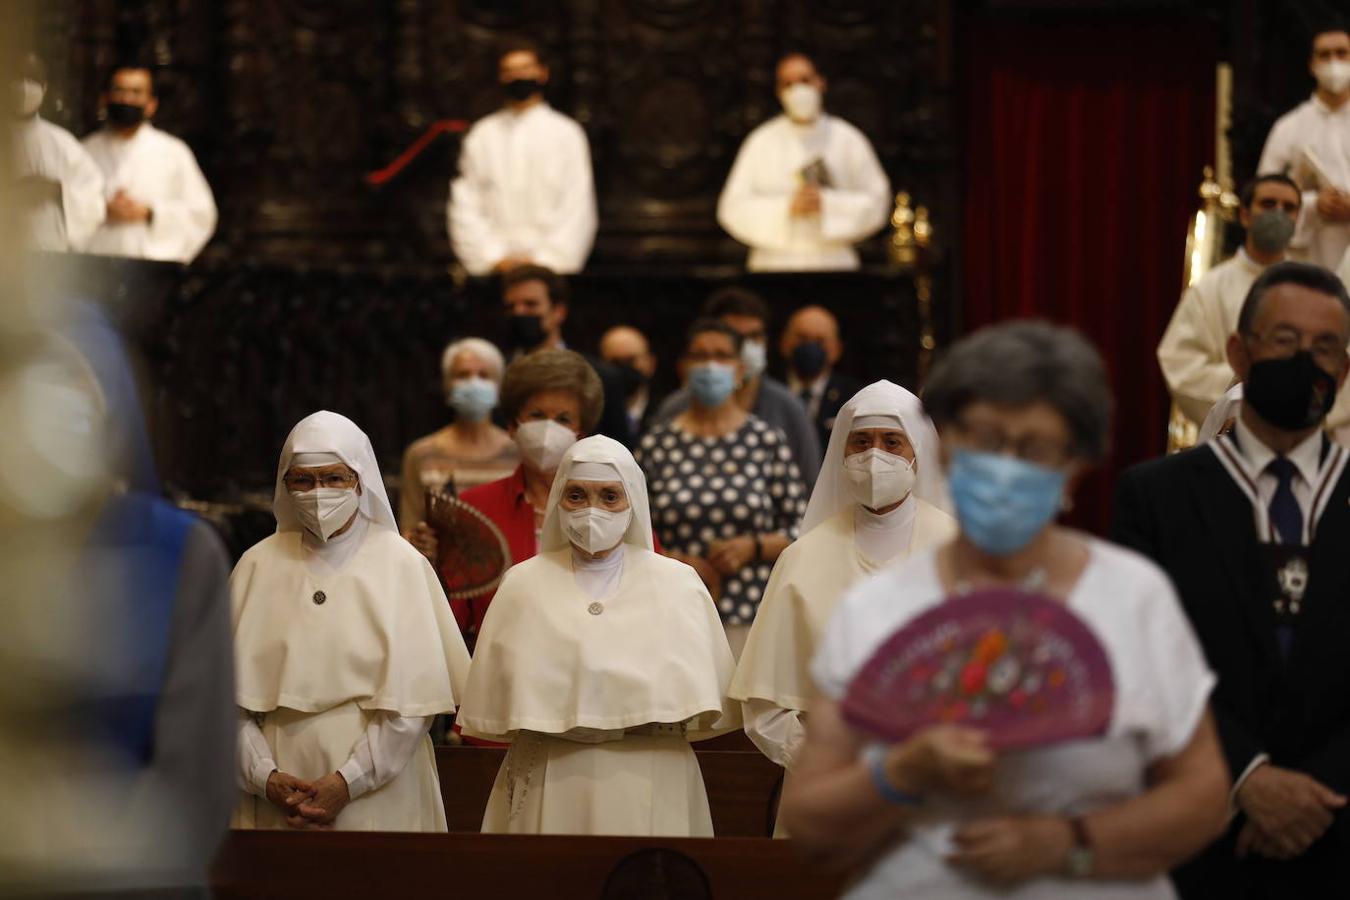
[
  {"x": 712, "y": 383},
  {"x": 1002, "y": 503},
  {"x": 473, "y": 398}
]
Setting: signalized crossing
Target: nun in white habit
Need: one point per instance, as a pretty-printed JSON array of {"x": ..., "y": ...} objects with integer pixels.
[
  {"x": 599, "y": 661},
  {"x": 345, "y": 649},
  {"x": 880, "y": 497}
]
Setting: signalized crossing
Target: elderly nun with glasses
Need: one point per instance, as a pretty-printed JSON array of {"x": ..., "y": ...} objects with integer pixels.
[
  {"x": 599, "y": 661},
  {"x": 345, "y": 649}
]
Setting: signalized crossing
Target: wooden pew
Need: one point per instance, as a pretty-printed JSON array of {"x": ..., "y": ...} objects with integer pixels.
[
  {"x": 503, "y": 867},
  {"x": 742, "y": 787}
]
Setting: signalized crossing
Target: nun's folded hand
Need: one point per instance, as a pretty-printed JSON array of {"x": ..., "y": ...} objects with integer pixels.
[{"x": 731, "y": 555}]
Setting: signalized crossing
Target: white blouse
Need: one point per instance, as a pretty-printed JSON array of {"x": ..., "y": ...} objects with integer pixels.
[{"x": 1162, "y": 686}]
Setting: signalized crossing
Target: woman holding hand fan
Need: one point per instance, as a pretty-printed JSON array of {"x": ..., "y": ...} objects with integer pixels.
[{"x": 1021, "y": 711}]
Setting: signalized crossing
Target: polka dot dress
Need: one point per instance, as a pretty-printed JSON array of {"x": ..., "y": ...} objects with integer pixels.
[{"x": 704, "y": 489}]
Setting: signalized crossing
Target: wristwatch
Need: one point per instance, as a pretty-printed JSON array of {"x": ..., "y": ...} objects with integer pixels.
[{"x": 1080, "y": 860}]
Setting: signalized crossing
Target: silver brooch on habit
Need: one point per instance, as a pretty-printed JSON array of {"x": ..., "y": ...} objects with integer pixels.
[{"x": 596, "y": 608}]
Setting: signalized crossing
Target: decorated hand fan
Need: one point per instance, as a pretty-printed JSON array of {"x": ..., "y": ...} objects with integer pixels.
[
  {"x": 472, "y": 555},
  {"x": 1018, "y": 665}
]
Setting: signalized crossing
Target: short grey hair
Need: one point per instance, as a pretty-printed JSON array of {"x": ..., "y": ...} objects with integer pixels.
[
  {"x": 1021, "y": 363},
  {"x": 484, "y": 350}
]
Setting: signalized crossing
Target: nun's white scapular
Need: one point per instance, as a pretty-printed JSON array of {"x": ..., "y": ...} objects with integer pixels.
[
  {"x": 345, "y": 648},
  {"x": 600, "y": 672},
  {"x": 841, "y": 543}
]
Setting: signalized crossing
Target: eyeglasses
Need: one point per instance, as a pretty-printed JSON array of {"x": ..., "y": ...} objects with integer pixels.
[
  {"x": 1284, "y": 342},
  {"x": 1030, "y": 448},
  {"x": 303, "y": 481}
]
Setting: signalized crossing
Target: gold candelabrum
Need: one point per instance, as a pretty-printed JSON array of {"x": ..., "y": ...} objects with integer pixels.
[
  {"x": 910, "y": 253},
  {"x": 1204, "y": 250}
]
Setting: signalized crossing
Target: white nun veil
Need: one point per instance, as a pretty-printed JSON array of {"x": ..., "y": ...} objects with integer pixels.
[
  {"x": 605, "y": 452},
  {"x": 328, "y": 432},
  {"x": 881, "y": 398}
]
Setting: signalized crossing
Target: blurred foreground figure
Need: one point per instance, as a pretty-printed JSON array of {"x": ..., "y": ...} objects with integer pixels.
[
  {"x": 117, "y": 719},
  {"x": 346, "y": 646}
]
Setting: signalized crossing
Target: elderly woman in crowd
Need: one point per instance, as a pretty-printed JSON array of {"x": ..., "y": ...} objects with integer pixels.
[
  {"x": 550, "y": 399},
  {"x": 1023, "y": 410},
  {"x": 599, "y": 661},
  {"x": 345, "y": 649},
  {"x": 470, "y": 450},
  {"x": 726, "y": 492},
  {"x": 879, "y": 497}
]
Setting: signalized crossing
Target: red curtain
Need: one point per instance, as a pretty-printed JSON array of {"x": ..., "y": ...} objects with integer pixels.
[{"x": 1084, "y": 149}]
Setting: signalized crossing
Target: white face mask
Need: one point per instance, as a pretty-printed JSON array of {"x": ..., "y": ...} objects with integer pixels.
[
  {"x": 1333, "y": 76},
  {"x": 543, "y": 442},
  {"x": 877, "y": 479},
  {"x": 596, "y": 530},
  {"x": 27, "y": 97},
  {"x": 324, "y": 510},
  {"x": 755, "y": 356},
  {"x": 801, "y": 102}
]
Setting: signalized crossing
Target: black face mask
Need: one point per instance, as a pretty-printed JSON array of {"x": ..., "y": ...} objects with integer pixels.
[
  {"x": 527, "y": 332},
  {"x": 519, "y": 89},
  {"x": 633, "y": 380},
  {"x": 125, "y": 115},
  {"x": 1292, "y": 394},
  {"x": 808, "y": 359}
]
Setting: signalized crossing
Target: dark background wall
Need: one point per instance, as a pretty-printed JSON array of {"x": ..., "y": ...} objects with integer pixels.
[{"x": 290, "y": 103}]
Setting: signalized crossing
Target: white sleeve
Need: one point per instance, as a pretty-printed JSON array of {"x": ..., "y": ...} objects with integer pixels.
[
  {"x": 1179, "y": 679},
  {"x": 83, "y": 202},
  {"x": 777, "y": 732},
  {"x": 255, "y": 757},
  {"x": 185, "y": 218},
  {"x": 473, "y": 235},
  {"x": 754, "y": 218},
  {"x": 1197, "y": 374},
  {"x": 571, "y": 224},
  {"x": 855, "y": 212},
  {"x": 383, "y": 751},
  {"x": 1277, "y": 155}
]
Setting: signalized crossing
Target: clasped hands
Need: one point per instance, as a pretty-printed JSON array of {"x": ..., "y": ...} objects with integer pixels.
[
  {"x": 806, "y": 202},
  {"x": 122, "y": 208},
  {"x": 1002, "y": 850},
  {"x": 308, "y": 805},
  {"x": 1286, "y": 811},
  {"x": 1333, "y": 204}
]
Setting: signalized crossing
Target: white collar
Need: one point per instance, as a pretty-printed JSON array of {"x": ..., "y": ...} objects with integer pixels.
[
  {"x": 612, "y": 560},
  {"x": 1321, "y": 106},
  {"x": 1245, "y": 260},
  {"x": 891, "y": 521},
  {"x": 1306, "y": 457}
]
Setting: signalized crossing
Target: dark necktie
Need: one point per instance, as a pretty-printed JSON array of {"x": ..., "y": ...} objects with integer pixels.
[{"x": 1286, "y": 519}]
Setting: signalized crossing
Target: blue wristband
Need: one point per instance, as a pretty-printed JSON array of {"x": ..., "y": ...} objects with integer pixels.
[{"x": 876, "y": 766}]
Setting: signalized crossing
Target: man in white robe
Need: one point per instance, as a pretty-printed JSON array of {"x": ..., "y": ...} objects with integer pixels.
[
  {"x": 1311, "y": 144},
  {"x": 525, "y": 192},
  {"x": 59, "y": 187},
  {"x": 159, "y": 205},
  {"x": 806, "y": 186},
  {"x": 1193, "y": 351},
  {"x": 345, "y": 649},
  {"x": 880, "y": 497}
]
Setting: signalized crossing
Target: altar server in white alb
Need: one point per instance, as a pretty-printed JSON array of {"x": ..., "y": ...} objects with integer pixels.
[
  {"x": 1311, "y": 144},
  {"x": 525, "y": 193},
  {"x": 345, "y": 649},
  {"x": 58, "y": 189},
  {"x": 159, "y": 205},
  {"x": 806, "y": 186},
  {"x": 600, "y": 661},
  {"x": 880, "y": 497}
]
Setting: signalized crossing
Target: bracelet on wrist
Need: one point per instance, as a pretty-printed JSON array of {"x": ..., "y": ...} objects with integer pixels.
[{"x": 875, "y": 758}]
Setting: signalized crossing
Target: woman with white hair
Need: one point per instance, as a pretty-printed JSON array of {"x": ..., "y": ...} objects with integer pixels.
[
  {"x": 880, "y": 496},
  {"x": 345, "y": 648},
  {"x": 599, "y": 661},
  {"x": 470, "y": 450}
]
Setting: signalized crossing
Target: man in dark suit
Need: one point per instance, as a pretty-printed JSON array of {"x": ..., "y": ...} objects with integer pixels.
[
  {"x": 1254, "y": 529},
  {"x": 627, "y": 350},
  {"x": 811, "y": 347},
  {"x": 536, "y": 301}
]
